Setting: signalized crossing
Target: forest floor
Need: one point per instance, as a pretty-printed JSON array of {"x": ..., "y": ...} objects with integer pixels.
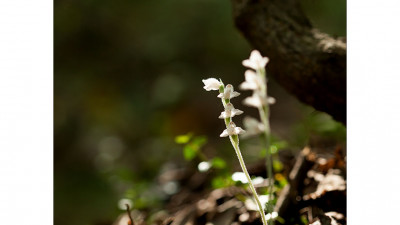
[{"x": 315, "y": 194}]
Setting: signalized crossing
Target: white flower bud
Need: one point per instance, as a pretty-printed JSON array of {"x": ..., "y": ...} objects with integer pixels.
[{"x": 211, "y": 84}]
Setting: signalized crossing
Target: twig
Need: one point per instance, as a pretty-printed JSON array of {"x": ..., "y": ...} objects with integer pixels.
[{"x": 128, "y": 210}]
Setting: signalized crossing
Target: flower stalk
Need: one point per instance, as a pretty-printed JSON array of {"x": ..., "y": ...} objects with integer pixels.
[
  {"x": 256, "y": 81},
  {"x": 235, "y": 145},
  {"x": 226, "y": 93},
  {"x": 264, "y": 115}
]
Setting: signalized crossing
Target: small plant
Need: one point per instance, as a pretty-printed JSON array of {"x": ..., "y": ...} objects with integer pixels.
[
  {"x": 255, "y": 80},
  {"x": 192, "y": 149}
]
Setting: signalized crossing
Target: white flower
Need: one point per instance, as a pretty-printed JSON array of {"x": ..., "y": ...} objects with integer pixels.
[
  {"x": 228, "y": 92},
  {"x": 230, "y": 111},
  {"x": 253, "y": 81},
  {"x": 211, "y": 84},
  {"x": 256, "y": 61},
  {"x": 252, "y": 126},
  {"x": 256, "y": 100},
  {"x": 232, "y": 130}
]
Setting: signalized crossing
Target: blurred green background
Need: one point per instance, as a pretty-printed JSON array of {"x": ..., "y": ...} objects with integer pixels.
[{"x": 128, "y": 80}]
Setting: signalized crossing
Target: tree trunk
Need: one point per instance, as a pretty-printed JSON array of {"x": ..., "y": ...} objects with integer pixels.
[{"x": 306, "y": 62}]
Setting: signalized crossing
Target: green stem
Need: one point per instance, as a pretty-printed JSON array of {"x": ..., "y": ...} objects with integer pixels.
[
  {"x": 263, "y": 116},
  {"x": 253, "y": 190}
]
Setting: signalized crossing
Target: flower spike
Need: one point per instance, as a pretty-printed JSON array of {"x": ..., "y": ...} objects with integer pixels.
[{"x": 231, "y": 131}]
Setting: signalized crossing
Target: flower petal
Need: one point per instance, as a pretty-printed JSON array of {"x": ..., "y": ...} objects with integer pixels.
[
  {"x": 239, "y": 130},
  {"x": 252, "y": 126},
  {"x": 223, "y": 115},
  {"x": 255, "y": 55},
  {"x": 252, "y": 101},
  {"x": 228, "y": 92},
  {"x": 224, "y": 133},
  {"x": 229, "y": 107},
  {"x": 236, "y": 112},
  {"x": 247, "y": 86},
  {"x": 250, "y": 64},
  {"x": 252, "y": 81},
  {"x": 256, "y": 100},
  {"x": 234, "y": 94}
]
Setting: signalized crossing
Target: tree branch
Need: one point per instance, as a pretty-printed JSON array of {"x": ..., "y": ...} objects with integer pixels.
[{"x": 306, "y": 62}]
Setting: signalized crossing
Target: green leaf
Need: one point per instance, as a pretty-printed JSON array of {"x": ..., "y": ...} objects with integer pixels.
[
  {"x": 304, "y": 219},
  {"x": 218, "y": 182},
  {"x": 278, "y": 144},
  {"x": 199, "y": 141},
  {"x": 218, "y": 163},
  {"x": 222, "y": 181},
  {"x": 277, "y": 165},
  {"x": 192, "y": 148},
  {"x": 183, "y": 139},
  {"x": 189, "y": 152}
]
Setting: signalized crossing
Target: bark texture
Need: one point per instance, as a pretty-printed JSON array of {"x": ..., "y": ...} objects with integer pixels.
[{"x": 306, "y": 62}]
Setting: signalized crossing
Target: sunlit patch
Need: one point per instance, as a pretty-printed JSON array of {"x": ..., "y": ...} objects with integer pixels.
[
  {"x": 170, "y": 188},
  {"x": 272, "y": 215},
  {"x": 244, "y": 217},
  {"x": 252, "y": 205},
  {"x": 239, "y": 176},
  {"x": 204, "y": 166},
  {"x": 123, "y": 220},
  {"x": 279, "y": 177},
  {"x": 258, "y": 180},
  {"x": 123, "y": 202}
]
